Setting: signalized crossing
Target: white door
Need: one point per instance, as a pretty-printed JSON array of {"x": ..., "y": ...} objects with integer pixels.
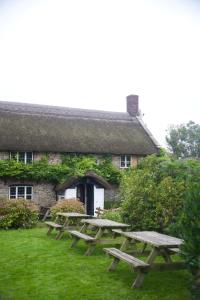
[
  {"x": 98, "y": 198},
  {"x": 70, "y": 193}
]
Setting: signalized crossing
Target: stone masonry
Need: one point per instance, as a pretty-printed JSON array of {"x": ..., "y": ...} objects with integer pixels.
[{"x": 43, "y": 193}]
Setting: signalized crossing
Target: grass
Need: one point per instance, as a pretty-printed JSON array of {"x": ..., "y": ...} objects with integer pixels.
[{"x": 34, "y": 266}]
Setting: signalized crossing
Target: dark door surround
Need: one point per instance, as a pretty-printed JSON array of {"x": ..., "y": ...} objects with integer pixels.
[{"x": 85, "y": 192}]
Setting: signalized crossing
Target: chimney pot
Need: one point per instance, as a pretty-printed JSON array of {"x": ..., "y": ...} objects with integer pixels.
[{"x": 132, "y": 105}]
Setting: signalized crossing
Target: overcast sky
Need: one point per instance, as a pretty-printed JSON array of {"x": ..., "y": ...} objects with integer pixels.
[{"x": 93, "y": 53}]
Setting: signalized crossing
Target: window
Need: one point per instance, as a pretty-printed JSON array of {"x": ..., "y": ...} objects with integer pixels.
[
  {"x": 61, "y": 195},
  {"x": 21, "y": 191},
  {"x": 125, "y": 161},
  {"x": 25, "y": 157}
]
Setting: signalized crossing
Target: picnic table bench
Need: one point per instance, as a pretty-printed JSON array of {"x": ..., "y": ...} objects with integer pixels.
[
  {"x": 101, "y": 225},
  {"x": 65, "y": 226},
  {"x": 160, "y": 245}
]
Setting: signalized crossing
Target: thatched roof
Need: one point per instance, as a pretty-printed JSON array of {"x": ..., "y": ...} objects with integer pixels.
[
  {"x": 75, "y": 180},
  {"x": 30, "y": 127}
]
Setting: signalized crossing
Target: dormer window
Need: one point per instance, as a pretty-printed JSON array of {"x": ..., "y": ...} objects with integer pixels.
[
  {"x": 125, "y": 161},
  {"x": 24, "y": 157}
]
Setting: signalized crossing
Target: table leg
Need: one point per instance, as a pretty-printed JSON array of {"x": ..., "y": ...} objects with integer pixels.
[
  {"x": 74, "y": 242},
  {"x": 76, "y": 239},
  {"x": 116, "y": 260},
  {"x": 49, "y": 230},
  {"x": 125, "y": 244},
  {"x": 91, "y": 247},
  {"x": 99, "y": 233},
  {"x": 140, "y": 277},
  {"x": 83, "y": 228},
  {"x": 60, "y": 234},
  {"x": 114, "y": 264},
  {"x": 61, "y": 231},
  {"x": 166, "y": 256},
  {"x": 144, "y": 247}
]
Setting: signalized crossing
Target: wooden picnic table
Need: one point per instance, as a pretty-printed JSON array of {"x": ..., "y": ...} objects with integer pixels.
[
  {"x": 101, "y": 226},
  {"x": 159, "y": 244},
  {"x": 69, "y": 217}
]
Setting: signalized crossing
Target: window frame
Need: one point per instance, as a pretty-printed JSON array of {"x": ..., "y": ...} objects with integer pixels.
[
  {"x": 25, "y": 156},
  {"x": 126, "y": 161},
  {"x": 25, "y": 191}
]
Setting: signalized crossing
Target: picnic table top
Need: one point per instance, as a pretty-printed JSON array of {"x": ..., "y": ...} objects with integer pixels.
[
  {"x": 73, "y": 215},
  {"x": 104, "y": 223},
  {"x": 154, "y": 238}
]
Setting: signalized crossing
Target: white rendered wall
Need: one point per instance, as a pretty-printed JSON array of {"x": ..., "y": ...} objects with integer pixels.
[
  {"x": 70, "y": 193},
  {"x": 98, "y": 198}
]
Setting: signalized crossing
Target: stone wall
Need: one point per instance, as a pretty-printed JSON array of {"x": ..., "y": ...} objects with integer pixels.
[
  {"x": 54, "y": 158},
  {"x": 43, "y": 193},
  {"x": 112, "y": 194},
  {"x": 4, "y": 190},
  {"x": 134, "y": 160},
  {"x": 4, "y": 155},
  {"x": 116, "y": 160}
]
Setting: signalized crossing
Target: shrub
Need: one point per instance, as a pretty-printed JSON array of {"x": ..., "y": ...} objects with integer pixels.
[
  {"x": 190, "y": 232},
  {"x": 18, "y": 213},
  {"x": 153, "y": 193},
  {"x": 113, "y": 214},
  {"x": 68, "y": 205},
  {"x": 108, "y": 204}
]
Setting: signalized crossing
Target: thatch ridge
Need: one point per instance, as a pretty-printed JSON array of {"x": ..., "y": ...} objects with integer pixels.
[{"x": 73, "y": 130}]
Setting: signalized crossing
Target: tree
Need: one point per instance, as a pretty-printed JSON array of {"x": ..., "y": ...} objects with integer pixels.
[
  {"x": 184, "y": 140},
  {"x": 152, "y": 194},
  {"x": 189, "y": 232}
]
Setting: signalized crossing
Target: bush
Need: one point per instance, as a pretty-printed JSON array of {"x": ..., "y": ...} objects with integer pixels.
[
  {"x": 68, "y": 205},
  {"x": 108, "y": 204},
  {"x": 153, "y": 193},
  {"x": 113, "y": 214},
  {"x": 18, "y": 213},
  {"x": 190, "y": 232}
]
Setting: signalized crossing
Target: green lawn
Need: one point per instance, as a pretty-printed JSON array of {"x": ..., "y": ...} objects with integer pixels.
[{"x": 34, "y": 266}]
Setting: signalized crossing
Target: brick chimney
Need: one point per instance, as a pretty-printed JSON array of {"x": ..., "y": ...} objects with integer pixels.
[{"x": 132, "y": 105}]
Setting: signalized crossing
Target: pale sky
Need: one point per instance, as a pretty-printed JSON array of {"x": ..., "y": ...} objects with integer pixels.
[{"x": 93, "y": 53}]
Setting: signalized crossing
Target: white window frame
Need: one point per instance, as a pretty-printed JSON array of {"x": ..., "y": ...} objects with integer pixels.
[
  {"x": 25, "y": 156},
  {"x": 126, "y": 161},
  {"x": 25, "y": 191}
]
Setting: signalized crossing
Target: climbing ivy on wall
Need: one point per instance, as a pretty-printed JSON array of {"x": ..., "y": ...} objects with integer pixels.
[{"x": 72, "y": 165}]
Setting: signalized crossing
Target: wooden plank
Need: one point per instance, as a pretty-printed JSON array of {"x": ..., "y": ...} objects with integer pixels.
[
  {"x": 53, "y": 224},
  {"x": 174, "y": 250},
  {"x": 81, "y": 235},
  {"x": 119, "y": 231},
  {"x": 73, "y": 215},
  {"x": 137, "y": 263},
  {"x": 105, "y": 223},
  {"x": 154, "y": 238}
]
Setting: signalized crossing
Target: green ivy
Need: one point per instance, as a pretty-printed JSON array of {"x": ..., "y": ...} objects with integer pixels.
[{"x": 72, "y": 165}]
